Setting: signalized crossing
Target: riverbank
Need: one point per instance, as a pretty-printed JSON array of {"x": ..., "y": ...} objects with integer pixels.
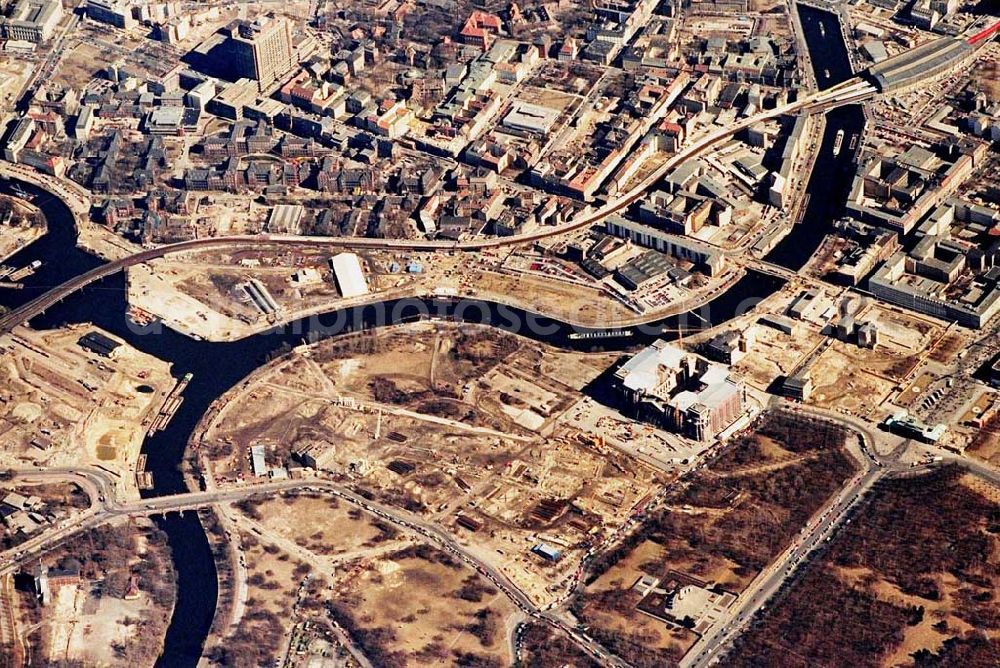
[
  {"x": 69, "y": 407},
  {"x": 24, "y": 226},
  {"x": 219, "y": 366},
  {"x": 13, "y": 239},
  {"x": 161, "y": 290},
  {"x": 832, "y": 173}
]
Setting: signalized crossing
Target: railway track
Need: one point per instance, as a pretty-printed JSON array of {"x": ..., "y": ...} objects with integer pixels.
[{"x": 849, "y": 92}]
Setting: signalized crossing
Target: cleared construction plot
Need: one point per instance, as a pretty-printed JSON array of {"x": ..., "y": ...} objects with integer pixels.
[
  {"x": 846, "y": 380},
  {"x": 320, "y": 524},
  {"x": 459, "y": 425},
  {"x": 421, "y": 607},
  {"x": 66, "y": 405}
]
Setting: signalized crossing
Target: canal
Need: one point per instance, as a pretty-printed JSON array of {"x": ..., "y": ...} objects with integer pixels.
[
  {"x": 217, "y": 367},
  {"x": 832, "y": 174}
]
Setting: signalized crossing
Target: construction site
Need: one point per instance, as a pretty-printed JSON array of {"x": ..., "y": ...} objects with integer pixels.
[
  {"x": 78, "y": 397},
  {"x": 19, "y": 226},
  {"x": 455, "y": 424},
  {"x": 327, "y": 575},
  {"x": 227, "y": 296}
]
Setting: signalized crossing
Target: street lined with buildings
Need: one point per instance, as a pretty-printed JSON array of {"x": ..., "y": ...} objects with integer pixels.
[{"x": 683, "y": 166}]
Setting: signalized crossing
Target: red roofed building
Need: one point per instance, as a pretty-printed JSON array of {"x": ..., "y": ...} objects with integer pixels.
[
  {"x": 670, "y": 136},
  {"x": 569, "y": 50},
  {"x": 479, "y": 29}
]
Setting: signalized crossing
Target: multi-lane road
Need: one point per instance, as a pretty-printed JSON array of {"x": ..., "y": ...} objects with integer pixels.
[
  {"x": 710, "y": 648},
  {"x": 714, "y": 642}
]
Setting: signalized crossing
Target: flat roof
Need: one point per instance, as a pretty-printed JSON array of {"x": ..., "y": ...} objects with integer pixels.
[
  {"x": 35, "y": 12},
  {"x": 349, "y": 274},
  {"x": 99, "y": 343},
  {"x": 531, "y": 117},
  {"x": 166, "y": 116}
]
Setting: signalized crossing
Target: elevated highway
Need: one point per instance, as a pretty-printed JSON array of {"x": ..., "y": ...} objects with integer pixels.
[{"x": 849, "y": 92}]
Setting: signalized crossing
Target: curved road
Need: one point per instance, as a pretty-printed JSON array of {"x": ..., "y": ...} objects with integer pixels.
[
  {"x": 103, "y": 509},
  {"x": 849, "y": 92}
]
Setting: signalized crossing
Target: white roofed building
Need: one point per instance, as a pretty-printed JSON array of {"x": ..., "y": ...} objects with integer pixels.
[
  {"x": 530, "y": 118},
  {"x": 681, "y": 391},
  {"x": 32, "y": 21},
  {"x": 349, "y": 275}
]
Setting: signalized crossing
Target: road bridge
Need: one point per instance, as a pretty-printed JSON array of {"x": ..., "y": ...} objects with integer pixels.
[
  {"x": 849, "y": 92},
  {"x": 106, "y": 511}
]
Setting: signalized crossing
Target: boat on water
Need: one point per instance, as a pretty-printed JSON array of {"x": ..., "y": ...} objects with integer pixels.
[
  {"x": 140, "y": 316},
  {"x": 838, "y": 142},
  {"x": 602, "y": 334},
  {"x": 170, "y": 405},
  {"x": 822, "y": 29},
  {"x": 24, "y": 272}
]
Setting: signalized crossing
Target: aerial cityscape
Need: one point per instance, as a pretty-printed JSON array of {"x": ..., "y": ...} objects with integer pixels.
[{"x": 412, "y": 333}]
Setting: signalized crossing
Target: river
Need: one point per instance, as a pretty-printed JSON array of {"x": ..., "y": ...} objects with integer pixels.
[
  {"x": 217, "y": 367},
  {"x": 832, "y": 175}
]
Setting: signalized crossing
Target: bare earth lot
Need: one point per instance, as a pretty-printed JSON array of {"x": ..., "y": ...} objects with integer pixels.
[
  {"x": 459, "y": 425},
  {"x": 419, "y": 607}
]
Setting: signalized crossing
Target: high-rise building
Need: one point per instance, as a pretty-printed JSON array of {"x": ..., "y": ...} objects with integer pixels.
[{"x": 261, "y": 49}]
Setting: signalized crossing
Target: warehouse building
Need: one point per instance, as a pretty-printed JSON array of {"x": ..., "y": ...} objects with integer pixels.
[
  {"x": 260, "y": 296},
  {"x": 547, "y": 552},
  {"x": 258, "y": 460},
  {"x": 349, "y": 275},
  {"x": 286, "y": 219},
  {"x": 317, "y": 456},
  {"x": 100, "y": 344},
  {"x": 641, "y": 270}
]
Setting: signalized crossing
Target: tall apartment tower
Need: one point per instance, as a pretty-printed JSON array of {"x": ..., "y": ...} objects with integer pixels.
[{"x": 262, "y": 49}]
